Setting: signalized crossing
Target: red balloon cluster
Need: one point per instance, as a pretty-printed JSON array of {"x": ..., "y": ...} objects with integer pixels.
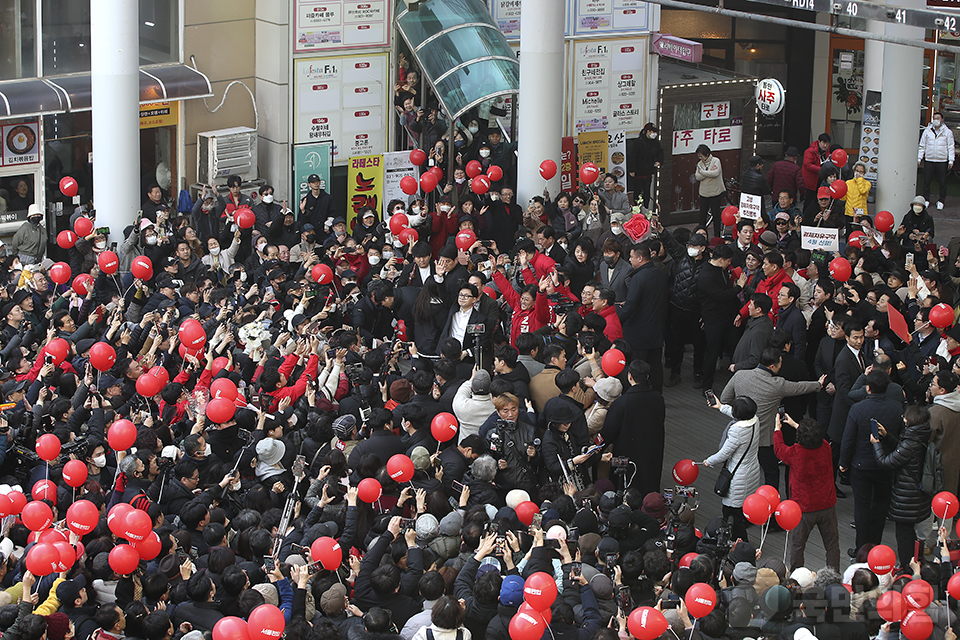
[{"x": 444, "y": 426}]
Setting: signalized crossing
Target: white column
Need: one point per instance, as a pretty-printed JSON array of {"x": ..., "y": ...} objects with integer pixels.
[
  {"x": 873, "y": 59},
  {"x": 115, "y": 67},
  {"x": 900, "y": 117},
  {"x": 540, "y": 120}
]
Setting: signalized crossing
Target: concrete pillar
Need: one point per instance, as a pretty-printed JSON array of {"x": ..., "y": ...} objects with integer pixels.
[
  {"x": 873, "y": 58},
  {"x": 115, "y": 68},
  {"x": 900, "y": 117},
  {"x": 540, "y": 119}
]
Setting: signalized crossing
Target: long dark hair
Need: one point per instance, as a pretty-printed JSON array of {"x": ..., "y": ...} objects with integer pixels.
[{"x": 422, "y": 307}]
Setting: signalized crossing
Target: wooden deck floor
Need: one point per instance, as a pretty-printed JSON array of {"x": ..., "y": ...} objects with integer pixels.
[{"x": 693, "y": 430}]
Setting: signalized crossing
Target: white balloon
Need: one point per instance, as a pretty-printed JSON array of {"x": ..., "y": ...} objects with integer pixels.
[{"x": 4, "y": 489}]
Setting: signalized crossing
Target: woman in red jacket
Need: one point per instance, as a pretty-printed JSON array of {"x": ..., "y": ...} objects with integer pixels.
[
  {"x": 443, "y": 223},
  {"x": 531, "y": 310}
]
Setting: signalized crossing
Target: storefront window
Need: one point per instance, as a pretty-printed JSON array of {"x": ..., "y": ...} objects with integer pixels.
[
  {"x": 846, "y": 97},
  {"x": 16, "y": 194},
  {"x": 18, "y": 26}
]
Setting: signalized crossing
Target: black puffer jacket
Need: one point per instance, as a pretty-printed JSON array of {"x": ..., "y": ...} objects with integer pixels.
[
  {"x": 754, "y": 183},
  {"x": 683, "y": 273},
  {"x": 907, "y": 503}
]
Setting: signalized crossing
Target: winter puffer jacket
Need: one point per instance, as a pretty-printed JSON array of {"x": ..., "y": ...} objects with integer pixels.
[
  {"x": 754, "y": 183},
  {"x": 907, "y": 503},
  {"x": 684, "y": 271}
]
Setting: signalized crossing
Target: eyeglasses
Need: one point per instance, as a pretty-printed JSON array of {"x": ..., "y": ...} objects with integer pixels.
[
  {"x": 464, "y": 295},
  {"x": 780, "y": 222}
]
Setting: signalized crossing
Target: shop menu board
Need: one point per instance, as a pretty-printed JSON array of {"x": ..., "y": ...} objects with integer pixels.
[
  {"x": 342, "y": 99},
  {"x": 583, "y": 16},
  {"x": 869, "y": 150},
  {"x": 609, "y": 84},
  {"x": 336, "y": 24},
  {"x": 21, "y": 144}
]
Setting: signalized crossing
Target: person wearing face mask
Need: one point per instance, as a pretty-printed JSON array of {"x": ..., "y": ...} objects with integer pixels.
[
  {"x": 615, "y": 232},
  {"x": 30, "y": 240},
  {"x": 936, "y": 155},
  {"x": 430, "y": 127},
  {"x": 443, "y": 224},
  {"x": 317, "y": 207},
  {"x": 644, "y": 157},
  {"x": 218, "y": 260},
  {"x": 286, "y": 233},
  {"x": 916, "y": 226},
  {"x": 308, "y": 243},
  {"x": 269, "y": 212},
  {"x": 505, "y": 217}
]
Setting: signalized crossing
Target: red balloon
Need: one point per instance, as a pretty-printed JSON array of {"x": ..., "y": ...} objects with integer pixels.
[
  {"x": 840, "y": 269},
  {"x": 881, "y": 559},
  {"x": 59, "y": 349},
  {"x": 883, "y": 222},
  {"x": 729, "y": 215},
  {"x": 19, "y": 502},
  {"x": 856, "y": 238},
  {"x": 838, "y": 189},
  {"x": 124, "y": 560},
  {"x": 687, "y": 559},
  {"x": 941, "y": 315},
  {"x": 142, "y": 268},
  {"x": 116, "y": 516},
  {"x": 37, "y": 515},
  {"x": 160, "y": 373},
  {"x": 491, "y": 292},
  {"x": 327, "y": 552},
  {"x": 443, "y": 426},
  {"x": 82, "y": 517},
  {"x": 6, "y": 505},
  {"x": 917, "y": 594},
  {"x": 148, "y": 548},
  {"x": 526, "y": 626},
  {"x": 408, "y": 235},
  {"x": 612, "y": 362},
  {"x": 83, "y": 226},
  {"x": 646, "y": 623},
  {"x": 245, "y": 218},
  {"x": 121, "y": 435},
  {"x": 60, "y": 272},
  {"x": 540, "y": 590},
  {"x": 916, "y": 625},
  {"x": 66, "y": 239},
  {"x": 756, "y": 508},
  {"x": 219, "y": 364},
  {"x": 49, "y": 536},
  {"x": 890, "y": 606},
  {"x": 189, "y": 353},
  {"x": 771, "y": 494},
  {"x": 428, "y": 182},
  {"x": 45, "y": 490},
  {"x": 108, "y": 262},
  {"x": 408, "y": 184},
  {"x": 437, "y": 173},
  {"x": 223, "y": 388},
  {"x": 220, "y": 410},
  {"x": 48, "y": 446},
  {"x": 102, "y": 356},
  {"x": 525, "y": 512},
  {"x": 322, "y": 274},
  {"x": 191, "y": 334},
  {"x": 546, "y": 614},
  {"x": 700, "y": 599},
  {"x": 945, "y": 505},
  {"x": 148, "y": 385},
  {"x": 548, "y": 169},
  {"x": 465, "y": 239},
  {"x": 685, "y": 472},
  {"x": 418, "y": 157},
  {"x": 839, "y": 158},
  {"x": 788, "y": 514},
  {"x": 69, "y": 186},
  {"x": 953, "y": 586},
  {"x": 136, "y": 525},
  {"x": 369, "y": 490},
  {"x": 480, "y": 185},
  {"x": 67, "y": 554},
  {"x": 83, "y": 284},
  {"x": 399, "y": 222},
  {"x": 589, "y": 173},
  {"x": 400, "y": 468},
  {"x": 474, "y": 168},
  {"x": 231, "y": 628},
  {"x": 495, "y": 173},
  {"x": 43, "y": 559}
]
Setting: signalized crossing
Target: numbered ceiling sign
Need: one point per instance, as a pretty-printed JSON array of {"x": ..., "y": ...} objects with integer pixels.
[{"x": 770, "y": 96}]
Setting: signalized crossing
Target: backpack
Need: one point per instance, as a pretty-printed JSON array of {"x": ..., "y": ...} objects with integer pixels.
[{"x": 931, "y": 481}]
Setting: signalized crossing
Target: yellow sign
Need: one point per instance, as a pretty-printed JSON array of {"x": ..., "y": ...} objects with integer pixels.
[
  {"x": 594, "y": 146},
  {"x": 364, "y": 186},
  {"x": 158, "y": 114}
]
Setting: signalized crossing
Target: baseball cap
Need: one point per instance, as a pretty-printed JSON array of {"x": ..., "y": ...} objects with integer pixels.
[
  {"x": 427, "y": 527},
  {"x": 481, "y": 383},
  {"x": 13, "y": 386},
  {"x": 107, "y": 381},
  {"x": 313, "y": 178},
  {"x": 306, "y": 227},
  {"x": 824, "y": 192},
  {"x": 334, "y": 600},
  {"x": 343, "y": 425},
  {"x": 511, "y": 591},
  {"x": 69, "y": 590},
  {"x": 783, "y": 215},
  {"x": 654, "y": 505},
  {"x": 420, "y": 458}
]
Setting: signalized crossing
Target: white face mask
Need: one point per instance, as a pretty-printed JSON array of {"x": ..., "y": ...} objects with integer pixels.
[
  {"x": 937, "y": 122},
  {"x": 445, "y": 208},
  {"x": 917, "y": 208},
  {"x": 101, "y": 245},
  {"x": 397, "y": 243},
  {"x": 261, "y": 246},
  {"x": 416, "y": 210},
  {"x": 100, "y": 462},
  {"x": 206, "y": 451},
  {"x": 151, "y": 240},
  {"x": 616, "y": 230},
  {"x": 268, "y": 198},
  {"x": 235, "y": 486},
  {"x": 215, "y": 251},
  {"x": 494, "y": 196},
  {"x": 563, "y": 245},
  {"x": 243, "y": 276},
  {"x": 473, "y": 130},
  {"x": 484, "y": 153},
  {"x": 387, "y": 255},
  {"x": 460, "y": 180},
  {"x": 373, "y": 260},
  {"x": 693, "y": 252},
  {"x": 886, "y": 254},
  {"x": 652, "y": 135}
]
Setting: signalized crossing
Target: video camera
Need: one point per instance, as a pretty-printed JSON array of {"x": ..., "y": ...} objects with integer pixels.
[{"x": 562, "y": 305}]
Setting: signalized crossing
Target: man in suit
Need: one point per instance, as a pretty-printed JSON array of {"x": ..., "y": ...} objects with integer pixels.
[
  {"x": 719, "y": 302},
  {"x": 463, "y": 314},
  {"x": 644, "y": 313},
  {"x": 790, "y": 318},
  {"x": 416, "y": 271},
  {"x": 768, "y": 390},
  {"x": 756, "y": 337},
  {"x": 546, "y": 237},
  {"x": 744, "y": 242},
  {"x": 614, "y": 270},
  {"x": 850, "y": 365}
]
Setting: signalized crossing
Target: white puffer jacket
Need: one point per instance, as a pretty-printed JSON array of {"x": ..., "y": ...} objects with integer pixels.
[{"x": 936, "y": 145}]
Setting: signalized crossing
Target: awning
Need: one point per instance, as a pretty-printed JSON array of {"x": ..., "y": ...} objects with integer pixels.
[
  {"x": 72, "y": 93},
  {"x": 461, "y": 52}
]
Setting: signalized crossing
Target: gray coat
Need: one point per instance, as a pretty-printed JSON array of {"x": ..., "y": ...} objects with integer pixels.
[
  {"x": 735, "y": 443},
  {"x": 767, "y": 390}
]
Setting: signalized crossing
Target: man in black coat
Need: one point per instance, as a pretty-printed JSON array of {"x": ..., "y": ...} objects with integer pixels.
[
  {"x": 644, "y": 314},
  {"x": 382, "y": 441},
  {"x": 203, "y": 612},
  {"x": 719, "y": 304},
  {"x": 684, "y": 302},
  {"x": 372, "y": 316},
  {"x": 850, "y": 364},
  {"x": 635, "y": 426},
  {"x": 317, "y": 208},
  {"x": 456, "y": 460},
  {"x": 386, "y": 586},
  {"x": 790, "y": 318}
]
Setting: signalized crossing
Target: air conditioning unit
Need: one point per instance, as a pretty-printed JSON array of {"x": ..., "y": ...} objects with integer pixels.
[{"x": 226, "y": 152}]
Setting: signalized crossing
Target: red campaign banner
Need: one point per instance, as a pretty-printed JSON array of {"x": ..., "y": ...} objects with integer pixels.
[{"x": 568, "y": 164}]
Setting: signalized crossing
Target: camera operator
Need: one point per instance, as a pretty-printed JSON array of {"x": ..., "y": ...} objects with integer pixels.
[
  {"x": 563, "y": 447},
  {"x": 563, "y": 333},
  {"x": 512, "y": 442}
]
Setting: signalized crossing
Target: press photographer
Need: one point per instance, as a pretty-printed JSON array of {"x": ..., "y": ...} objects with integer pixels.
[{"x": 512, "y": 442}]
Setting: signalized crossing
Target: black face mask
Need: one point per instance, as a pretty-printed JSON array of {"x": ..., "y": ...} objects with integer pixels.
[
  {"x": 312, "y": 237},
  {"x": 610, "y": 260}
]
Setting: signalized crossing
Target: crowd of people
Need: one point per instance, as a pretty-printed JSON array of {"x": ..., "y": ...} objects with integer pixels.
[{"x": 527, "y": 368}]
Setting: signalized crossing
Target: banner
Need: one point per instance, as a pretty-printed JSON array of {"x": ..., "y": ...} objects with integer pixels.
[
  {"x": 609, "y": 84},
  {"x": 364, "y": 186},
  {"x": 617, "y": 147},
  {"x": 338, "y": 24},
  {"x": 717, "y": 138},
  {"x": 594, "y": 146},
  {"x": 820, "y": 238},
  {"x": 309, "y": 159},
  {"x": 568, "y": 164},
  {"x": 750, "y": 206},
  {"x": 158, "y": 114},
  {"x": 396, "y": 166}
]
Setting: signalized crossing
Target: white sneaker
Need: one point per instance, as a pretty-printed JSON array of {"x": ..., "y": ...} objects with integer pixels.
[
  {"x": 926, "y": 203},
  {"x": 940, "y": 206}
]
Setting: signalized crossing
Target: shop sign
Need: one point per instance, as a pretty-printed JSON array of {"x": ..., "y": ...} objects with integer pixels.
[
  {"x": 608, "y": 86},
  {"x": 336, "y": 24},
  {"x": 581, "y": 17},
  {"x": 819, "y": 238},
  {"x": 669, "y": 46},
  {"x": 158, "y": 114},
  {"x": 568, "y": 164},
  {"x": 717, "y": 138},
  {"x": 770, "y": 96},
  {"x": 594, "y": 146},
  {"x": 715, "y": 110},
  {"x": 309, "y": 159},
  {"x": 21, "y": 144},
  {"x": 617, "y": 148},
  {"x": 364, "y": 186}
]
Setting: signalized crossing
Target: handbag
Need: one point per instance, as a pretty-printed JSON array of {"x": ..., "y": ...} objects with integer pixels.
[{"x": 722, "y": 486}]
